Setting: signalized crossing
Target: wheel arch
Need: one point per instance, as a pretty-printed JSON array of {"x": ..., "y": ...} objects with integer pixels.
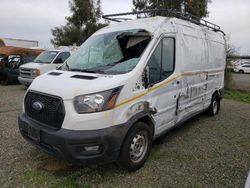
[
  {"x": 219, "y": 93},
  {"x": 144, "y": 117}
]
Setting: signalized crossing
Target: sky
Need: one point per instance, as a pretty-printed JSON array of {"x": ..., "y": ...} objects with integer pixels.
[{"x": 34, "y": 19}]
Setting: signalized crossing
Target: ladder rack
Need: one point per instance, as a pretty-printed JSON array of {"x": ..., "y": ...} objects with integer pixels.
[{"x": 167, "y": 13}]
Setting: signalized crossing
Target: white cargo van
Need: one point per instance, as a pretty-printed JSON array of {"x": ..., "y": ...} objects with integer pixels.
[
  {"x": 45, "y": 62},
  {"x": 127, "y": 85}
]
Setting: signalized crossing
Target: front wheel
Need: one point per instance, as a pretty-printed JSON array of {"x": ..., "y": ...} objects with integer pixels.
[{"x": 136, "y": 147}]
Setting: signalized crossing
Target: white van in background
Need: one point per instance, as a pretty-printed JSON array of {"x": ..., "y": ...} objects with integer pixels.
[
  {"x": 45, "y": 62},
  {"x": 127, "y": 85}
]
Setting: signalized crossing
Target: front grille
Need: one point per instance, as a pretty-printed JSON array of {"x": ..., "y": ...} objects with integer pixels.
[
  {"x": 25, "y": 73},
  {"x": 52, "y": 115}
]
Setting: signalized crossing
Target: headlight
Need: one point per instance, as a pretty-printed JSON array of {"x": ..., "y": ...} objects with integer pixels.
[
  {"x": 96, "y": 102},
  {"x": 35, "y": 72}
]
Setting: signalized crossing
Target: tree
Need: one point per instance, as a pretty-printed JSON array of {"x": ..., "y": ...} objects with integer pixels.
[
  {"x": 197, "y": 7},
  {"x": 83, "y": 22},
  {"x": 194, "y": 7}
]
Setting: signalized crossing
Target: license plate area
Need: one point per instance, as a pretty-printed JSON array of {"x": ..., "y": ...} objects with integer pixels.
[{"x": 34, "y": 134}]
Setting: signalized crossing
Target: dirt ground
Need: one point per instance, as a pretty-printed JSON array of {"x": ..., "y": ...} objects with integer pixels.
[{"x": 204, "y": 152}]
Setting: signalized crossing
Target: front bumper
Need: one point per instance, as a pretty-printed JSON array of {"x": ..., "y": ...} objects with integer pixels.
[
  {"x": 25, "y": 81},
  {"x": 69, "y": 144}
]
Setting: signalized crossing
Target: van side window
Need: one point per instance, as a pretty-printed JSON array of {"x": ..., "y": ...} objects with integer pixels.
[
  {"x": 167, "y": 57},
  {"x": 154, "y": 65},
  {"x": 161, "y": 63},
  {"x": 62, "y": 56}
]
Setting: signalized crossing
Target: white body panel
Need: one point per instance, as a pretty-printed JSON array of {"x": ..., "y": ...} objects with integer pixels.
[{"x": 199, "y": 71}]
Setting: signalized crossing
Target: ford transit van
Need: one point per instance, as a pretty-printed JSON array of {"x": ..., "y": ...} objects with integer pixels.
[{"x": 128, "y": 84}]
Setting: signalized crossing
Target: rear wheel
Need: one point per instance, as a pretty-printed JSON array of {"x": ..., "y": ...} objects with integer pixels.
[
  {"x": 136, "y": 147},
  {"x": 214, "y": 107},
  {"x": 241, "y": 71}
]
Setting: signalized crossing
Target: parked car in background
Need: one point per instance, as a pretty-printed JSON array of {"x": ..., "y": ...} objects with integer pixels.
[
  {"x": 243, "y": 68},
  {"x": 45, "y": 62},
  {"x": 11, "y": 58}
]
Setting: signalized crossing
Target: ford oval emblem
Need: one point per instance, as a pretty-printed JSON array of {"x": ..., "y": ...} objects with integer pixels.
[{"x": 38, "y": 106}]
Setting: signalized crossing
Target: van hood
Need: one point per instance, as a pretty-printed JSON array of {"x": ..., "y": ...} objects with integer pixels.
[
  {"x": 68, "y": 85},
  {"x": 33, "y": 65}
]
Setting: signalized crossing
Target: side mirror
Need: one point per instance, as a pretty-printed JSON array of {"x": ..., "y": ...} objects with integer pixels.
[{"x": 58, "y": 61}]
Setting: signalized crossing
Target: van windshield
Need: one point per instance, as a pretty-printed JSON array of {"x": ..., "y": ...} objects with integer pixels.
[
  {"x": 46, "y": 57},
  {"x": 110, "y": 53}
]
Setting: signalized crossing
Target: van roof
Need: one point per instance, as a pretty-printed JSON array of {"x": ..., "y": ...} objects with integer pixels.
[
  {"x": 153, "y": 24},
  {"x": 148, "y": 24},
  {"x": 170, "y": 13}
]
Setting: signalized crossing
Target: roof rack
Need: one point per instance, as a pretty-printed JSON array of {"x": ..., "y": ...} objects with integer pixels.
[{"x": 168, "y": 13}]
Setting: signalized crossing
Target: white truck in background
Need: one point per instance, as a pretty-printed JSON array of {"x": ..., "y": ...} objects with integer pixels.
[
  {"x": 45, "y": 62},
  {"x": 18, "y": 43}
]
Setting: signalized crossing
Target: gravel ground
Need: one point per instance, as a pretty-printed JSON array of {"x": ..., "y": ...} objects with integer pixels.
[{"x": 204, "y": 152}]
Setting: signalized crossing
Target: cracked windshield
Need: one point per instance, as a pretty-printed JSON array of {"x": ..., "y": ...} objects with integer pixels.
[{"x": 111, "y": 53}]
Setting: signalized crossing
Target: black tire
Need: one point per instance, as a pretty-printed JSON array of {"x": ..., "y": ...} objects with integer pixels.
[
  {"x": 140, "y": 135},
  {"x": 241, "y": 71},
  {"x": 214, "y": 107},
  {"x": 6, "y": 81}
]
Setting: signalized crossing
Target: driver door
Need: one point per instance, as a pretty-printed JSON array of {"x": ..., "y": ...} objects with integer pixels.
[{"x": 163, "y": 90}]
